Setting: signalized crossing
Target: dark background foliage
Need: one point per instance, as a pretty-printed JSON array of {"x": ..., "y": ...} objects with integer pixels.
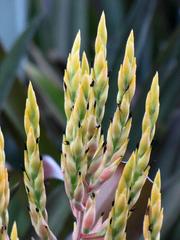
[{"x": 35, "y": 39}]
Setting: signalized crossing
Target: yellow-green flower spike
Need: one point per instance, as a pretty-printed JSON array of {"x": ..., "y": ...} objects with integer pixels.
[
  {"x": 87, "y": 159},
  {"x": 136, "y": 170},
  {"x": 144, "y": 149},
  {"x": 120, "y": 126},
  {"x": 14, "y": 233},
  {"x": 154, "y": 215},
  {"x": 72, "y": 76},
  {"x": 4, "y": 192},
  {"x": 119, "y": 212},
  {"x": 100, "y": 72},
  {"x": 119, "y": 129},
  {"x": 34, "y": 174}
]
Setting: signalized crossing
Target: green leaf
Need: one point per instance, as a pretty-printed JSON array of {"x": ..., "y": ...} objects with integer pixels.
[
  {"x": 50, "y": 92},
  {"x": 11, "y": 62}
]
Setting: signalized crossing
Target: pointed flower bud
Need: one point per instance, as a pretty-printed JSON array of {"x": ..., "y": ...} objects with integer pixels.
[{"x": 154, "y": 215}]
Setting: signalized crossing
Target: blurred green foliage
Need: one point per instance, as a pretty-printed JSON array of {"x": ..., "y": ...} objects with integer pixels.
[{"x": 40, "y": 54}]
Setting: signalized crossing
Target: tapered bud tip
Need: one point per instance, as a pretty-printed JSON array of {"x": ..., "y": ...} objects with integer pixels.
[
  {"x": 155, "y": 86},
  {"x": 102, "y": 31},
  {"x": 157, "y": 179},
  {"x": 85, "y": 64},
  {"x": 14, "y": 234},
  {"x": 30, "y": 88},
  {"x": 130, "y": 47},
  {"x": 156, "y": 79},
  {"x": 77, "y": 43},
  {"x": 131, "y": 36},
  {"x": 1, "y": 139},
  {"x": 31, "y": 93},
  {"x": 103, "y": 18}
]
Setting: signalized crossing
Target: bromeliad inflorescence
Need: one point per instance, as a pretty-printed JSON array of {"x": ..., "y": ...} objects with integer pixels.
[{"x": 90, "y": 160}]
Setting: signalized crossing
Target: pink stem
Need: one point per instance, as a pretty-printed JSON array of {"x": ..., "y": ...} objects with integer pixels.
[
  {"x": 80, "y": 220},
  {"x": 79, "y": 224}
]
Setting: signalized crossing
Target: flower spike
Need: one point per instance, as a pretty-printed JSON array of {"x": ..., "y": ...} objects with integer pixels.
[
  {"x": 136, "y": 169},
  {"x": 34, "y": 174}
]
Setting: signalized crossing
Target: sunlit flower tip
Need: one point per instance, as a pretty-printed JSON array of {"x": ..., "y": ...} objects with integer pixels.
[
  {"x": 129, "y": 52},
  {"x": 1, "y": 140},
  {"x": 14, "y": 233},
  {"x": 85, "y": 64},
  {"x": 155, "y": 93},
  {"x": 102, "y": 31},
  {"x": 77, "y": 43},
  {"x": 157, "y": 179}
]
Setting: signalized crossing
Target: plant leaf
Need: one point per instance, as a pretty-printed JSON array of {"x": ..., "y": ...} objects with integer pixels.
[{"x": 11, "y": 62}]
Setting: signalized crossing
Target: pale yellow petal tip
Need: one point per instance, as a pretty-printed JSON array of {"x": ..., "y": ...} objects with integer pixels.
[
  {"x": 102, "y": 30},
  {"x": 129, "y": 52},
  {"x": 155, "y": 85},
  {"x": 77, "y": 43},
  {"x": 157, "y": 179},
  {"x": 14, "y": 234},
  {"x": 1, "y": 140},
  {"x": 30, "y": 89},
  {"x": 103, "y": 18},
  {"x": 131, "y": 36},
  {"x": 85, "y": 64},
  {"x": 156, "y": 79}
]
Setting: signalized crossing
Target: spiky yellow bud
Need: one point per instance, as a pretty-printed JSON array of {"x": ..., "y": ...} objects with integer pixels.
[
  {"x": 154, "y": 215},
  {"x": 34, "y": 174}
]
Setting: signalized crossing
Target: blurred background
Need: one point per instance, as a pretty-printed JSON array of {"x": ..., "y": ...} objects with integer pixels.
[{"x": 35, "y": 39}]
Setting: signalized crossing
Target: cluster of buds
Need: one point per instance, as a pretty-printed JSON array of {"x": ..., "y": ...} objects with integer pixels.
[{"x": 89, "y": 160}]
